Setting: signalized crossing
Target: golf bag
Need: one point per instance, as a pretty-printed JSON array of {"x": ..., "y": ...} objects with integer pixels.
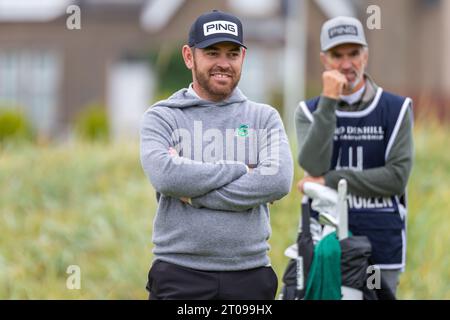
[{"x": 355, "y": 254}]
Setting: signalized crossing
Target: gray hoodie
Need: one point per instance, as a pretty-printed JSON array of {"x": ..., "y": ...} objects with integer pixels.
[{"x": 227, "y": 225}]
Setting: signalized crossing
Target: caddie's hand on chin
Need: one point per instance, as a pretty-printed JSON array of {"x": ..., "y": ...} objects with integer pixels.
[
  {"x": 301, "y": 183},
  {"x": 334, "y": 83}
]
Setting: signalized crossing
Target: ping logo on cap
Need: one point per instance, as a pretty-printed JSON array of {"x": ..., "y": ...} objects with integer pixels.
[
  {"x": 342, "y": 31},
  {"x": 220, "y": 26}
]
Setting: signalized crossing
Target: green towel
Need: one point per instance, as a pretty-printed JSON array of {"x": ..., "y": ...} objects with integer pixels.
[{"x": 324, "y": 279}]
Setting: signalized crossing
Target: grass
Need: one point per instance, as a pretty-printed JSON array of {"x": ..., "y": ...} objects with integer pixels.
[
  {"x": 82, "y": 205},
  {"x": 90, "y": 205}
]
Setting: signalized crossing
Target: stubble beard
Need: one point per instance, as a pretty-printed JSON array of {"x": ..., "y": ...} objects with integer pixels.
[
  {"x": 214, "y": 92},
  {"x": 352, "y": 85}
]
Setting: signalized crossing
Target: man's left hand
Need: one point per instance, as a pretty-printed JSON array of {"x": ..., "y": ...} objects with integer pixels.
[
  {"x": 319, "y": 180},
  {"x": 185, "y": 200}
]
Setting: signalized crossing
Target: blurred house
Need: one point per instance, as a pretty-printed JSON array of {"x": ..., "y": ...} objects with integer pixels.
[{"x": 53, "y": 72}]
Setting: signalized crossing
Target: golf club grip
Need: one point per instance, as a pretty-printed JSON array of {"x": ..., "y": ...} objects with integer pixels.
[{"x": 306, "y": 214}]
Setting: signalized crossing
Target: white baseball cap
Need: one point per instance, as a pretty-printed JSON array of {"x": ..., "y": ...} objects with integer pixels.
[{"x": 341, "y": 30}]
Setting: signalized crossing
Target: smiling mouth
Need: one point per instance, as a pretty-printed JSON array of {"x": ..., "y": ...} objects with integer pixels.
[{"x": 220, "y": 75}]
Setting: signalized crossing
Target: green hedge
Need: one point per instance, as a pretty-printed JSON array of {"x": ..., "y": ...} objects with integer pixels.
[
  {"x": 92, "y": 124},
  {"x": 14, "y": 126}
]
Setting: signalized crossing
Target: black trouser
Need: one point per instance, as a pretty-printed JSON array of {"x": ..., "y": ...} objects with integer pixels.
[{"x": 170, "y": 281}]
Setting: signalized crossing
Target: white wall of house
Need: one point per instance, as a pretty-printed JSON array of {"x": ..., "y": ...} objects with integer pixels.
[
  {"x": 253, "y": 70},
  {"x": 445, "y": 46},
  {"x": 261, "y": 73},
  {"x": 130, "y": 89}
]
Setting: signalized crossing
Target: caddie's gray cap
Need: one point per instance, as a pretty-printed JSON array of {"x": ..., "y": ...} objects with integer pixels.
[{"x": 341, "y": 30}]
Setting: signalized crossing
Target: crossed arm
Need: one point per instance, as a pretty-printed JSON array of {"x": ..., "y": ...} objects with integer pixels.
[
  {"x": 271, "y": 180},
  {"x": 228, "y": 187},
  {"x": 186, "y": 178}
]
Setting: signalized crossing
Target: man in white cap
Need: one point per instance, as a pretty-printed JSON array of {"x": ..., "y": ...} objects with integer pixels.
[{"x": 357, "y": 131}]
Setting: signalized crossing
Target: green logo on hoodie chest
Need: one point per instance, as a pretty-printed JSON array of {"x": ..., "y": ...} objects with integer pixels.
[{"x": 242, "y": 130}]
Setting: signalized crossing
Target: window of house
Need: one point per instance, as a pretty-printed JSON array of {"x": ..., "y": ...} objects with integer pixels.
[{"x": 29, "y": 80}]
